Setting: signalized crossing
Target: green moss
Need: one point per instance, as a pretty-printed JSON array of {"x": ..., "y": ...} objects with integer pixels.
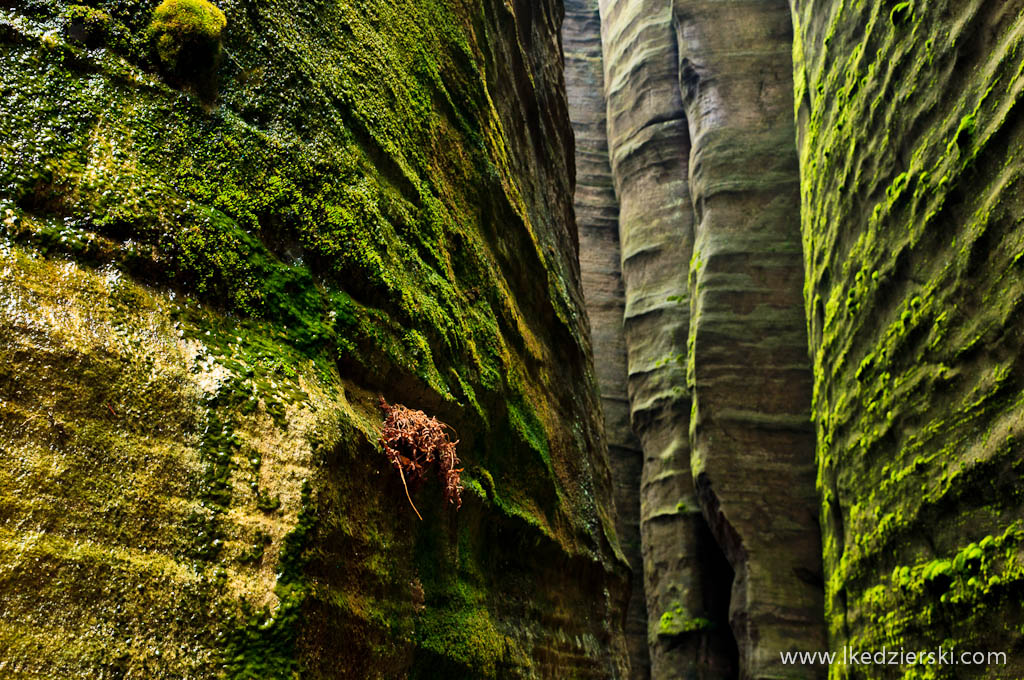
[
  {"x": 938, "y": 575},
  {"x": 88, "y": 25},
  {"x": 186, "y": 35},
  {"x": 900, "y": 13},
  {"x": 263, "y": 643},
  {"x": 677, "y": 621},
  {"x": 255, "y": 552},
  {"x": 459, "y": 639},
  {"x": 964, "y": 132},
  {"x": 328, "y": 233},
  {"x": 267, "y": 503},
  {"x": 526, "y": 424},
  {"x": 916, "y": 415}
]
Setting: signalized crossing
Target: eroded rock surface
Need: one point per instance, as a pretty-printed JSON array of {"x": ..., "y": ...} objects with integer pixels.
[
  {"x": 649, "y": 148},
  {"x": 700, "y": 141},
  {"x": 752, "y": 441},
  {"x": 910, "y": 145},
  {"x": 204, "y": 287},
  {"x": 597, "y": 218}
]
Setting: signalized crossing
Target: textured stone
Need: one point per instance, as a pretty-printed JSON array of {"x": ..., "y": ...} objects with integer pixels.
[
  {"x": 910, "y": 145},
  {"x": 649, "y": 147},
  {"x": 752, "y": 441},
  {"x": 700, "y": 141},
  {"x": 597, "y": 218},
  {"x": 203, "y": 293}
]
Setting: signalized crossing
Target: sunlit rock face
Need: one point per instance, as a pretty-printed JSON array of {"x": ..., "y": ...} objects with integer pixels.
[
  {"x": 208, "y": 278},
  {"x": 910, "y": 145}
]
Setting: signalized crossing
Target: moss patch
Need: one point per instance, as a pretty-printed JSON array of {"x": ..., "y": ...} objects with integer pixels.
[
  {"x": 186, "y": 35},
  {"x": 911, "y": 194}
]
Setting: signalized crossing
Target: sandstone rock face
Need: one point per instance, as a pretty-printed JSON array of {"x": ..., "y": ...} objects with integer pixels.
[
  {"x": 204, "y": 287},
  {"x": 909, "y": 143},
  {"x": 747, "y": 365},
  {"x": 700, "y": 140},
  {"x": 649, "y": 148},
  {"x": 597, "y": 218}
]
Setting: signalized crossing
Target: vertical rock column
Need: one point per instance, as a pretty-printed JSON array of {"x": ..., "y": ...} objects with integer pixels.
[
  {"x": 648, "y": 144},
  {"x": 597, "y": 217},
  {"x": 748, "y": 370}
]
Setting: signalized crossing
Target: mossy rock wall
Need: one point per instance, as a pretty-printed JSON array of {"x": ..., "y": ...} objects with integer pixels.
[
  {"x": 206, "y": 285},
  {"x": 910, "y": 145}
]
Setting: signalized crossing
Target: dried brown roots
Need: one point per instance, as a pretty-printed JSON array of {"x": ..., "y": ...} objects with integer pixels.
[{"x": 413, "y": 442}]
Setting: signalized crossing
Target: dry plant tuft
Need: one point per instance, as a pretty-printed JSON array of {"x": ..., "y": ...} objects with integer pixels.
[{"x": 413, "y": 442}]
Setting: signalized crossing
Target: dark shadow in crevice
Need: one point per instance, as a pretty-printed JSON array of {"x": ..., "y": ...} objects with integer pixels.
[{"x": 719, "y": 651}]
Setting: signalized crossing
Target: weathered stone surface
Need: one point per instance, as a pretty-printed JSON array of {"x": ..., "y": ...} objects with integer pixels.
[
  {"x": 910, "y": 145},
  {"x": 701, "y": 147},
  {"x": 748, "y": 368},
  {"x": 649, "y": 147},
  {"x": 597, "y": 219},
  {"x": 202, "y": 294}
]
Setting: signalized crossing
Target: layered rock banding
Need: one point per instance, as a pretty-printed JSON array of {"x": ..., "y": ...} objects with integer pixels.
[
  {"x": 908, "y": 142},
  {"x": 597, "y": 218},
  {"x": 700, "y": 142},
  {"x": 648, "y": 148},
  {"x": 208, "y": 280},
  {"x": 753, "y": 446}
]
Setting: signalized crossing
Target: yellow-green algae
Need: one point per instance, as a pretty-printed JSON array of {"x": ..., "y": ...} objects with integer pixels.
[{"x": 202, "y": 299}]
